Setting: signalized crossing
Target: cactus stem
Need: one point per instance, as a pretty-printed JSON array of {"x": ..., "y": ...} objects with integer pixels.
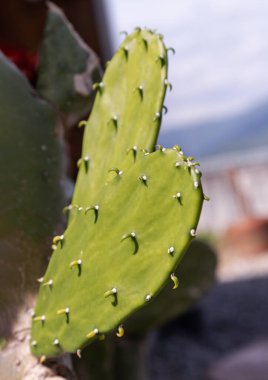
[
  {"x": 148, "y": 297},
  {"x": 77, "y": 263},
  {"x": 116, "y": 170},
  {"x": 112, "y": 292},
  {"x": 134, "y": 150},
  {"x": 175, "y": 280},
  {"x": 165, "y": 109},
  {"x": 133, "y": 237},
  {"x": 56, "y": 342},
  {"x": 193, "y": 232},
  {"x": 82, "y": 123},
  {"x": 120, "y": 331},
  {"x": 96, "y": 209},
  {"x": 171, "y": 250},
  {"x": 78, "y": 353},
  {"x": 167, "y": 84},
  {"x": 143, "y": 179},
  {"x": 92, "y": 333}
]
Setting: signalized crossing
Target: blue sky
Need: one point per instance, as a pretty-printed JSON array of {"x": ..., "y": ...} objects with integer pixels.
[{"x": 221, "y": 62}]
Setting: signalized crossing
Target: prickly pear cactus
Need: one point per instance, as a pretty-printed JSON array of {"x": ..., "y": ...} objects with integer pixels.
[{"x": 133, "y": 213}]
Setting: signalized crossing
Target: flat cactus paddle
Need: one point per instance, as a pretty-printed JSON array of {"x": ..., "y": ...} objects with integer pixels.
[
  {"x": 117, "y": 253},
  {"x": 127, "y": 111}
]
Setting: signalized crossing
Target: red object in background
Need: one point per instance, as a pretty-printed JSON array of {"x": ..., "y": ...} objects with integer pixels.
[{"x": 25, "y": 61}]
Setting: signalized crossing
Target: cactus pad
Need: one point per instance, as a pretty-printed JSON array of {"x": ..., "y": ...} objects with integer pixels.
[
  {"x": 127, "y": 111},
  {"x": 32, "y": 193},
  {"x": 115, "y": 257}
]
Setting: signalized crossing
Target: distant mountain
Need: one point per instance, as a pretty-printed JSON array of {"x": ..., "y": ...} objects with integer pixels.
[{"x": 241, "y": 132}]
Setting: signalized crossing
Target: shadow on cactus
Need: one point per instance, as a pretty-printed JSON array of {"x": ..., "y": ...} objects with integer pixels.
[{"x": 133, "y": 213}]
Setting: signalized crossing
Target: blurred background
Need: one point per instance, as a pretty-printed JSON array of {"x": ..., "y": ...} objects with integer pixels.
[{"x": 217, "y": 112}]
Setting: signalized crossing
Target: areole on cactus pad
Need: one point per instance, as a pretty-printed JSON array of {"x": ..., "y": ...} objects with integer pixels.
[{"x": 133, "y": 213}]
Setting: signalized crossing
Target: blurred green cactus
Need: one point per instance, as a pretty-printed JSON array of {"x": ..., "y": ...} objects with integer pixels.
[
  {"x": 33, "y": 180},
  {"x": 133, "y": 213},
  {"x": 67, "y": 69},
  {"x": 32, "y": 193}
]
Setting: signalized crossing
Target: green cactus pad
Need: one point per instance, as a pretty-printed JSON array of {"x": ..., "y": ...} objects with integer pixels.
[
  {"x": 126, "y": 113},
  {"x": 114, "y": 258},
  {"x": 32, "y": 189},
  {"x": 196, "y": 274}
]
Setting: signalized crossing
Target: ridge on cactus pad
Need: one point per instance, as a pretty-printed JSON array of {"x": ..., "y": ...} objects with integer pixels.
[{"x": 133, "y": 213}]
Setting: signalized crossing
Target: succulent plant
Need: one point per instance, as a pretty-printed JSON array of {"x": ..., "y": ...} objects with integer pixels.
[{"x": 133, "y": 213}]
